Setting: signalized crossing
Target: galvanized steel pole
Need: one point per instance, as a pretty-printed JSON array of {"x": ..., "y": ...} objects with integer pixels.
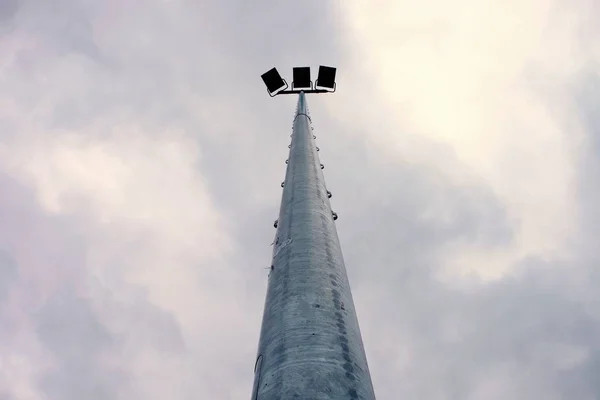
[{"x": 310, "y": 344}]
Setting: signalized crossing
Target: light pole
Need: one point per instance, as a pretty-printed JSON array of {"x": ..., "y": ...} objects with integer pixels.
[{"x": 310, "y": 343}]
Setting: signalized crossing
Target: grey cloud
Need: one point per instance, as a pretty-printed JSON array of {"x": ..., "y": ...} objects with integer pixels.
[
  {"x": 457, "y": 338},
  {"x": 140, "y": 323},
  {"x": 587, "y": 95},
  {"x": 148, "y": 70},
  {"x": 155, "y": 328},
  {"x": 68, "y": 328},
  {"x": 8, "y": 273},
  {"x": 8, "y": 265},
  {"x": 92, "y": 351},
  {"x": 86, "y": 331},
  {"x": 394, "y": 205},
  {"x": 64, "y": 25},
  {"x": 8, "y": 9},
  {"x": 65, "y": 324}
]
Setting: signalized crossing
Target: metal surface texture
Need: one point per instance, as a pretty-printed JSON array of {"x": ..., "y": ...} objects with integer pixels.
[{"x": 310, "y": 343}]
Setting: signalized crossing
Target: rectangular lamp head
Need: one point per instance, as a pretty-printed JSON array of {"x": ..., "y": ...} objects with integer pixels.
[
  {"x": 273, "y": 80},
  {"x": 326, "y": 77},
  {"x": 301, "y": 78}
]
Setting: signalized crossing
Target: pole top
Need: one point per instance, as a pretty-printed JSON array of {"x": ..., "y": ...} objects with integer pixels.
[{"x": 302, "y": 83}]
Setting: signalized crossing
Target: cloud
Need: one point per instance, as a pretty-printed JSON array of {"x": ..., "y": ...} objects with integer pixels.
[
  {"x": 488, "y": 80},
  {"x": 140, "y": 162},
  {"x": 8, "y": 272},
  {"x": 63, "y": 321}
]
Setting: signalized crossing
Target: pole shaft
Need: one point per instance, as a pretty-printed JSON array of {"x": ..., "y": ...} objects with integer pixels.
[{"x": 310, "y": 343}]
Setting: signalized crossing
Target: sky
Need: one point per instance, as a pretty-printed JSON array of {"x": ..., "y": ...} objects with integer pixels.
[{"x": 140, "y": 169}]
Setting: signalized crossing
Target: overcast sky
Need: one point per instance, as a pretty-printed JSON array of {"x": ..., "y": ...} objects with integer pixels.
[{"x": 140, "y": 169}]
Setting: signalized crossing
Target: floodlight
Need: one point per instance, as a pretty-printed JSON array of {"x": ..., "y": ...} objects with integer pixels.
[
  {"x": 273, "y": 80},
  {"x": 326, "y": 78},
  {"x": 301, "y": 82},
  {"x": 301, "y": 78}
]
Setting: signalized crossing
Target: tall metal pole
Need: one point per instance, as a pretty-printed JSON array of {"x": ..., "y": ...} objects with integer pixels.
[{"x": 310, "y": 344}]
